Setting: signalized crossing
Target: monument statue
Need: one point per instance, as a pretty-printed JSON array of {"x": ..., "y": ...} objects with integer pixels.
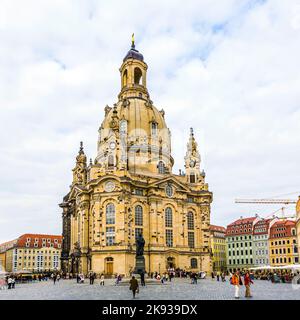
[
  {"x": 139, "y": 255},
  {"x": 140, "y": 243}
]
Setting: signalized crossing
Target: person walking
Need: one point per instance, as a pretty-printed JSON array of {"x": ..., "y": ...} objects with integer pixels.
[
  {"x": 235, "y": 281},
  {"x": 247, "y": 281},
  {"x": 134, "y": 286},
  {"x": 13, "y": 282},
  {"x": 54, "y": 278},
  {"x": 92, "y": 278},
  {"x": 102, "y": 280},
  {"x": 142, "y": 279},
  {"x": 218, "y": 276},
  {"x": 9, "y": 281}
]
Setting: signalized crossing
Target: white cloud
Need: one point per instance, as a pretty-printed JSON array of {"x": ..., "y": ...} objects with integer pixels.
[{"x": 232, "y": 64}]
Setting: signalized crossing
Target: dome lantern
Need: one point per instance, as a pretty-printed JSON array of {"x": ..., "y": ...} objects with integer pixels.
[{"x": 133, "y": 74}]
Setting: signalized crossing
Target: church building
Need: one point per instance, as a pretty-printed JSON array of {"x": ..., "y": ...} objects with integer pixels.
[{"x": 130, "y": 189}]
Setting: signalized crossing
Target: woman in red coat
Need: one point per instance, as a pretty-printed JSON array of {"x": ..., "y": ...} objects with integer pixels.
[{"x": 247, "y": 281}]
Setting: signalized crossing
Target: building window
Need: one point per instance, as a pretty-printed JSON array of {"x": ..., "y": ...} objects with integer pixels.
[
  {"x": 190, "y": 221},
  {"x": 194, "y": 263},
  {"x": 110, "y": 236},
  {"x": 110, "y": 213},
  {"x": 190, "y": 200},
  {"x": 169, "y": 190},
  {"x": 125, "y": 78},
  {"x": 153, "y": 128},
  {"x": 168, "y": 218},
  {"x": 191, "y": 239},
  {"x": 169, "y": 238},
  {"x": 111, "y": 161},
  {"x": 161, "y": 167},
  {"x": 137, "y": 76},
  {"x": 192, "y": 178},
  {"x": 138, "y": 215},
  {"x": 138, "y": 192}
]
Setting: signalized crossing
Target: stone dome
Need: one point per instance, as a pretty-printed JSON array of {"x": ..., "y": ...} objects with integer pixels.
[
  {"x": 133, "y": 54},
  {"x": 146, "y": 132}
]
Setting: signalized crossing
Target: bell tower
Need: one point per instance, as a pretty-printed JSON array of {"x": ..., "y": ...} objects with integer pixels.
[
  {"x": 192, "y": 160},
  {"x": 133, "y": 74}
]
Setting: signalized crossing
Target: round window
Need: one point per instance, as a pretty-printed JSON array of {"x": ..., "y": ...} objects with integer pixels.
[{"x": 109, "y": 186}]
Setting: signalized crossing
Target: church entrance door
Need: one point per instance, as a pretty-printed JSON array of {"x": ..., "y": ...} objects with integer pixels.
[
  {"x": 170, "y": 262},
  {"x": 109, "y": 265}
]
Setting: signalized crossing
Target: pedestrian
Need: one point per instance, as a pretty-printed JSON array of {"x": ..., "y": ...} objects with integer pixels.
[
  {"x": 134, "y": 286},
  {"x": 102, "y": 280},
  {"x": 9, "y": 281},
  {"x": 212, "y": 276},
  {"x": 142, "y": 279},
  {"x": 2, "y": 284},
  {"x": 247, "y": 281},
  {"x": 54, "y": 278},
  {"x": 223, "y": 277},
  {"x": 218, "y": 276},
  {"x": 235, "y": 281},
  {"x": 92, "y": 278},
  {"x": 13, "y": 282}
]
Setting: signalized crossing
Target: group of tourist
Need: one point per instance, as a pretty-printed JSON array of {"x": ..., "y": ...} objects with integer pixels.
[
  {"x": 237, "y": 282},
  {"x": 219, "y": 275},
  {"x": 9, "y": 282},
  {"x": 278, "y": 276}
]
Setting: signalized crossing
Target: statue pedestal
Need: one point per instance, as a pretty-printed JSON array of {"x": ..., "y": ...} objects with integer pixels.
[{"x": 139, "y": 264}]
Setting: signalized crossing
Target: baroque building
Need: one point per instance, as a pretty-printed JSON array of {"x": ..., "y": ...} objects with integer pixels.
[
  {"x": 218, "y": 247},
  {"x": 130, "y": 188},
  {"x": 32, "y": 252}
]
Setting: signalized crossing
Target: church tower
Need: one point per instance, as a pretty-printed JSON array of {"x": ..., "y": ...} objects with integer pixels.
[{"x": 129, "y": 189}]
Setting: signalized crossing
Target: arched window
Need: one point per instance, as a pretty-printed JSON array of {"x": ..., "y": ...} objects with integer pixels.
[
  {"x": 137, "y": 76},
  {"x": 111, "y": 161},
  {"x": 138, "y": 215},
  {"x": 125, "y": 77},
  {"x": 123, "y": 127},
  {"x": 194, "y": 263},
  {"x": 110, "y": 213},
  {"x": 161, "y": 167},
  {"x": 154, "y": 128},
  {"x": 168, "y": 217},
  {"x": 190, "y": 221}
]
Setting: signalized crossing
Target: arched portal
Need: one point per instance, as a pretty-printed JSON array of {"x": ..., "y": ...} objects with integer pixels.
[{"x": 170, "y": 262}]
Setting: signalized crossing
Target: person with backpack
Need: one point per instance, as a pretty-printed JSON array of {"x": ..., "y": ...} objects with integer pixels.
[{"x": 236, "y": 282}]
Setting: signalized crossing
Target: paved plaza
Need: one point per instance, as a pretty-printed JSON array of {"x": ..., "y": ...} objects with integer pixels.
[{"x": 180, "y": 289}]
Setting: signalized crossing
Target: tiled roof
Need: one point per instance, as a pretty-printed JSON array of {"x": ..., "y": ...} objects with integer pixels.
[
  {"x": 39, "y": 243},
  {"x": 240, "y": 227},
  {"x": 242, "y": 221},
  {"x": 282, "y": 228},
  {"x": 217, "y": 228}
]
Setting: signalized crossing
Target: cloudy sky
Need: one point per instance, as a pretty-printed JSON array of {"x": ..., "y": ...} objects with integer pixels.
[{"x": 228, "y": 68}]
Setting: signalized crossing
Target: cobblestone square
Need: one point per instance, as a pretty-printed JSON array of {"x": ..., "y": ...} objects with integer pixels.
[{"x": 180, "y": 289}]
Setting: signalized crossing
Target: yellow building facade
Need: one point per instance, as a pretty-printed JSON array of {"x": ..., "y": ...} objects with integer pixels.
[
  {"x": 218, "y": 247},
  {"x": 283, "y": 245},
  {"x": 32, "y": 252},
  {"x": 298, "y": 221},
  {"x": 129, "y": 189},
  {"x": 2, "y": 261}
]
